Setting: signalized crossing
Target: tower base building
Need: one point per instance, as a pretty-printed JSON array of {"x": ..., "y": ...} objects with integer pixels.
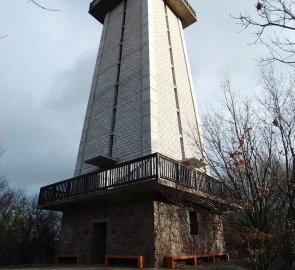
[
  {"x": 152, "y": 228},
  {"x": 140, "y": 186},
  {"x": 158, "y": 208}
]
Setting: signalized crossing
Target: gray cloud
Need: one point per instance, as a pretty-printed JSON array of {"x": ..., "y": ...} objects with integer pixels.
[
  {"x": 71, "y": 87},
  {"x": 41, "y": 140}
]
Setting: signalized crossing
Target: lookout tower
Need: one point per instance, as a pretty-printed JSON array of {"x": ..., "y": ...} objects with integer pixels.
[
  {"x": 140, "y": 187},
  {"x": 141, "y": 99}
]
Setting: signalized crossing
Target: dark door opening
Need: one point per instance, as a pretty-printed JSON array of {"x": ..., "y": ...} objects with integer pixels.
[{"x": 98, "y": 242}]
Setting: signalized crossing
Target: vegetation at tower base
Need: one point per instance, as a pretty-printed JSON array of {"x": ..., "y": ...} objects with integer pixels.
[
  {"x": 27, "y": 234},
  {"x": 274, "y": 27},
  {"x": 251, "y": 147}
]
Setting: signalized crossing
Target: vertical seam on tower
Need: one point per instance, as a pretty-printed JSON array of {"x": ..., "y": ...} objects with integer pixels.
[
  {"x": 111, "y": 142},
  {"x": 93, "y": 98},
  {"x": 174, "y": 83},
  {"x": 191, "y": 88}
]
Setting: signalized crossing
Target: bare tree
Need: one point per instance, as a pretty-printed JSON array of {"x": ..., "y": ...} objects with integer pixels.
[
  {"x": 250, "y": 147},
  {"x": 273, "y": 25},
  {"x": 27, "y": 234},
  {"x": 279, "y": 105}
]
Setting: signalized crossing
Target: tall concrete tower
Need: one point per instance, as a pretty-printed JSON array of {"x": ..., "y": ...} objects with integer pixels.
[
  {"x": 142, "y": 94},
  {"x": 140, "y": 195}
]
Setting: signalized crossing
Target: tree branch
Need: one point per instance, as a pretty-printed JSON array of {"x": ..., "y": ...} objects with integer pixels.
[
  {"x": 48, "y": 9},
  {"x": 276, "y": 15},
  {"x": 3, "y": 36}
]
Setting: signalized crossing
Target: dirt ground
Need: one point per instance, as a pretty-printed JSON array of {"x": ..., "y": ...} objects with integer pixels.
[{"x": 231, "y": 265}]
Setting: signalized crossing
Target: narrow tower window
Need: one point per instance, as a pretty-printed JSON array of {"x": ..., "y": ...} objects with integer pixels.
[{"x": 193, "y": 222}]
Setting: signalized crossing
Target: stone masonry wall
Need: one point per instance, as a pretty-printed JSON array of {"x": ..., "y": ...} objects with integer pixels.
[
  {"x": 172, "y": 232},
  {"x": 152, "y": 229},
  {"x": 129, "y": 229}
]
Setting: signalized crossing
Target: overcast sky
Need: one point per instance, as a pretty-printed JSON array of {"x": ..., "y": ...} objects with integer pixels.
[{"x": 46, "y": 67}]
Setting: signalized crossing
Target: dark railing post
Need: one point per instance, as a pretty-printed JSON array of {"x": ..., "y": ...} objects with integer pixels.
[
  {"x": 177, "y": 172},
  {"x": 129, "y": 173},
  {"x": 106, "y": 179},
  {"x": 86, "y": 184},
  {"x": 151, "y": 162},
  {"x": 158, "y": 166},
  {"x": 68, "y": 188},
  {"x": 195, "y": 180},
  {"x": 210, "y": 185},
  {"x": 53, "y": 195}
]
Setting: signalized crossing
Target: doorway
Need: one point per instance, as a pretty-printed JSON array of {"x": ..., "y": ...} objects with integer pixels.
[{"x": 98, "y": 242}]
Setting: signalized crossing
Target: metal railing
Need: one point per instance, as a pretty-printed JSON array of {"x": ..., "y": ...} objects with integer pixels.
[{"x": 150, "y": 167}]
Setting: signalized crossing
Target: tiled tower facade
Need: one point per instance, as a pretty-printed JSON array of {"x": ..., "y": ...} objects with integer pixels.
[{"x": 142, "y": 95}]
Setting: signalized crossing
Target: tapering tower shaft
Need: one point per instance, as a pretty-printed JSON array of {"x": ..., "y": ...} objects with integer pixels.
[{"x": 142, "y": 95}]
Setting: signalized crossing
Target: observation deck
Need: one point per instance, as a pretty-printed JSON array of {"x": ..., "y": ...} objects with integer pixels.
[
  {"x": 147, "y": 175},
  {"x": 99, "y": 8}
]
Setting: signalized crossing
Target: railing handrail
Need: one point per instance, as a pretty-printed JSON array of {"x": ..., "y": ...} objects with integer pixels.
[{"x": 103, "y": 170}]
